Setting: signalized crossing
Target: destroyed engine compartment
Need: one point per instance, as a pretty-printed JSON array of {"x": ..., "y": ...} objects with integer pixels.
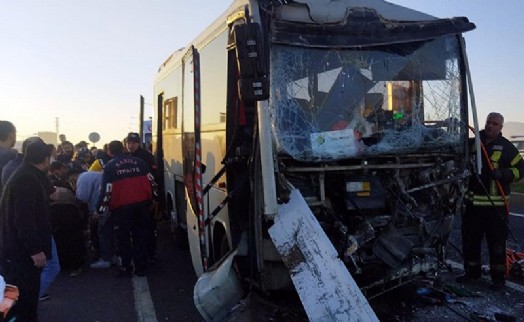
[{"x": 389, "y": 218}]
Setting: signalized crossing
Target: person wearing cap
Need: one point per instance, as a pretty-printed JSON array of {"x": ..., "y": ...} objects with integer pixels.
[
  {"x": 135, "y": 149},
  {"x": 25, "y": 229}
]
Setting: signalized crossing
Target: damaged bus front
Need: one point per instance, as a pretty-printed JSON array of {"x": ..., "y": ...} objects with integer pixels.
[{"x": 351, "y": 163}]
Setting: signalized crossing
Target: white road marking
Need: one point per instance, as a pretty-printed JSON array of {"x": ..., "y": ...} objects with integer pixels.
[
  {"x": 515, "y": 286},
  {"x": 143, "y": 302}
]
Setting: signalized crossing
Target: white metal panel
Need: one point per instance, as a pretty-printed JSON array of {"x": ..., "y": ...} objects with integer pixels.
[{"x": 326, "y": 288}]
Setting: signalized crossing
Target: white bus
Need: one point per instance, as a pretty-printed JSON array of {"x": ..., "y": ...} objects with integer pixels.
[{"x": 349, "y": 115}]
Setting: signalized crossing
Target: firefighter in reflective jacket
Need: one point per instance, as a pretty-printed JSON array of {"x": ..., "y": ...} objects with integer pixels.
[{"x": 486, "y": 211}]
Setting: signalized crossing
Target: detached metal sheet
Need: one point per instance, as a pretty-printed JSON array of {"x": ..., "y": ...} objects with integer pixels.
[{"x": 326, "y": 288}]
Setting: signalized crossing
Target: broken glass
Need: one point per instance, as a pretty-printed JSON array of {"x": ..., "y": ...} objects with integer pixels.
[{"x": 330, "y": 104}]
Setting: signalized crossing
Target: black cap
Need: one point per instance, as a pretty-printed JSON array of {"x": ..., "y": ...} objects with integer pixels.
[
  {"x": 133, "y": 137},
  {"x": 36, "y": 152}
]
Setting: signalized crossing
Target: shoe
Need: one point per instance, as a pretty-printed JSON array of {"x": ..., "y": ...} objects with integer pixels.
[
  {"x": 140, "y": 273},
  {"x": 467, "y": 279},
  {"x": 99, "y": 264},
  {"x": 76, "y": 272},
  {"x": 44, "y": 297},
  {"x": 497, "y": 286}
]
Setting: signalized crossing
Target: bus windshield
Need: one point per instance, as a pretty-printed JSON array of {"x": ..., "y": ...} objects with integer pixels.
[{"x": 330, "y": 104}]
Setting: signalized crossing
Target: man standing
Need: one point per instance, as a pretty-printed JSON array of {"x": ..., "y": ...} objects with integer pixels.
[
  {"x": 135, "y": 150},
  {"x": 486, "y": 203},
  {"x": 127, "y": 191},
  {"x": 7, "y": 142},
  {"x": 88, "y": 191},
  {"x": 25, "y": 229}
]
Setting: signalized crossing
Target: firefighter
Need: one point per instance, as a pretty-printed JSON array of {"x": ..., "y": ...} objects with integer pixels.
[{"x": 486, "y": 203}]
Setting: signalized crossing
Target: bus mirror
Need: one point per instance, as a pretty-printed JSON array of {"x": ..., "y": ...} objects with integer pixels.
[
  {"x": 253, "y": 89},
  {"x": 248, "y": 43}
]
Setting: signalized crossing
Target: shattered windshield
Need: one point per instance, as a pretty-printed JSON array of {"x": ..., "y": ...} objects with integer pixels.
[{"x": 329, "y": 104}]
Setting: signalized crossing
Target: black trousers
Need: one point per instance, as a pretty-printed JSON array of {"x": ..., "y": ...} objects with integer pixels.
[
  {"x": 68, "y": 231},
  {"x": 22, "y": 273},
  {"x": 490, "y": 222},
  {"x": 132, "y": 234}
]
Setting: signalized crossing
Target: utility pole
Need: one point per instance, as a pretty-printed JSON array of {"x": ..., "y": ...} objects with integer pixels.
[{"x": 141, "y": 121}]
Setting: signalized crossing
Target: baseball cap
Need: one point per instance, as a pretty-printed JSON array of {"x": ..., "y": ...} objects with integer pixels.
[
  {"x": 133, "y": 137},
  {"x": 36, "y": 152}
]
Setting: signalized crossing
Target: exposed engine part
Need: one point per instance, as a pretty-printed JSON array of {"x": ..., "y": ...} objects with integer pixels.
[{"x": 383, "y": 219}]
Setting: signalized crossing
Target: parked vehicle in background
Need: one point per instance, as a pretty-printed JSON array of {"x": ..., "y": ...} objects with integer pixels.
[
  {"x": 314, "y": 144},
  {"x": 518, "y": 142}
]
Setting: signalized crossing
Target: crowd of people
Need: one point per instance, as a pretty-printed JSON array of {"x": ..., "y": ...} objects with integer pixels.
[{"x": 62, "y": 206}]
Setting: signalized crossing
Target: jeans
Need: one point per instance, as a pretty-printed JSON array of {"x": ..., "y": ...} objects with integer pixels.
[{"x": 50, "y": 271}]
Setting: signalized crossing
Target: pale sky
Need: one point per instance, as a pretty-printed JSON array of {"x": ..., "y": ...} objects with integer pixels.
[{"x": 87, "y": 62}]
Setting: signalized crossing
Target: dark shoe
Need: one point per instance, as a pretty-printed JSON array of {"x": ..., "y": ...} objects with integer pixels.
[
  {"x": 498, "y": 286},
  {"x": 125, "y": 272},
  {"x": 467, "y": 279},
  {"x": 140, "y": 273},
  {"x": 44, "y": 297}
]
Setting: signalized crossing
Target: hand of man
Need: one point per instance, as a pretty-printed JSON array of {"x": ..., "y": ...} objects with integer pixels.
[
  {"x": 496, "y": 174},
  {"x": 39, "y": 259}
]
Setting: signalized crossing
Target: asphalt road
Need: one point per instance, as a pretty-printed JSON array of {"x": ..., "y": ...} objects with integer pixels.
[{"x": 166, "y": 294}]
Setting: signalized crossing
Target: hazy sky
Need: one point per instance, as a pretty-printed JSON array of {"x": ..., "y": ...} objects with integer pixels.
[{"x": 87, "y": 62}]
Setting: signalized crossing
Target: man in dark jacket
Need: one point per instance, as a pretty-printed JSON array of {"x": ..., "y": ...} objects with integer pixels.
[
  {"x": 12, "y": 165},
  {"x": 25, "y": 230},
  {"x": 135, "y": 149},
  {"x": 487, "y": 203},
  {"x": 128, "y": 191},
  {"x": 7, "y": 142}
]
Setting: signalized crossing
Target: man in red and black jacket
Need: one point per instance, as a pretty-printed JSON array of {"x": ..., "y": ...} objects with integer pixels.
[
  {"x": 134, "y": 149},
  {"x": 128, "y": 189},
  {"x": 487, "y": 201}
]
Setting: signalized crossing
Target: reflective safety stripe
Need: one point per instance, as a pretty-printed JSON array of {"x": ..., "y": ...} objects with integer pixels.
[
  {"x": 515, "y": 171},
  {"x": 495, "y": 157},
  {"x": 483, "y": 200},
  {"x": 488, "y": 203},
  {"x": 516, "y": 174},
  {"x": 493, "y": 188},
  {"x": 484, "y": 197},
  {"x": 516, "y": 159}
]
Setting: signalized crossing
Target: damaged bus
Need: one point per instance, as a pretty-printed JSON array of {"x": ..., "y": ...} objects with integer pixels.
[{"x": 319, "y": 145}]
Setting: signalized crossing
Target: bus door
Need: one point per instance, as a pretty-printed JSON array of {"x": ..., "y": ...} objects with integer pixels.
[{"x": 192, "y": 163}]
